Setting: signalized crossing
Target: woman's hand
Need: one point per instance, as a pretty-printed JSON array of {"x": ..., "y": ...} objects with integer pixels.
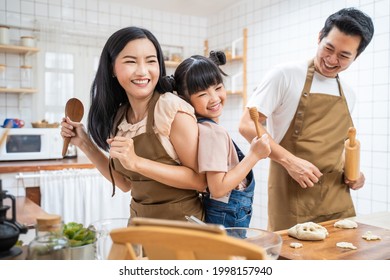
[
  {"x": 73, "y": 130},
  {"x": 122, "y": 148}
]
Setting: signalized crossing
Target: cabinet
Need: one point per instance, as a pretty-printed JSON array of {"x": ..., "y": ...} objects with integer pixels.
[
  {"x": 236, "y": 61},
  {"x": 22, "y": 50}
]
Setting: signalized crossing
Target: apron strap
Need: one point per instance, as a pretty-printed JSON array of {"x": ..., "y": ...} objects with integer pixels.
[{"x": 299, "y": 115}]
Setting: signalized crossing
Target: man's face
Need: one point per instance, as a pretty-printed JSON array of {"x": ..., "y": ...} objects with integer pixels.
[{"x": 336, "y": 52}]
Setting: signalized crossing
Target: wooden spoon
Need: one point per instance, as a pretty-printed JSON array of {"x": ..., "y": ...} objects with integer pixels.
[
  {"x": 74, "y": 109},
  {"x": 5, "y": 133},
  {"x": 255, "y": 117}
]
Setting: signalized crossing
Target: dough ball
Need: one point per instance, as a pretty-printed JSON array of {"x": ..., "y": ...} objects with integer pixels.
[
  {"x": 345, "y": 224},
  {"x": 296, "y": 245},
  {"x": 346, "y": 245},
  {"x": 370, "y": 236},
  {"x": 308, "y": 231}
]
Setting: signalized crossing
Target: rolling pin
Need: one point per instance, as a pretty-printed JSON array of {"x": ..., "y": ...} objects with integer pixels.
[{"x": 352, "y": 156}]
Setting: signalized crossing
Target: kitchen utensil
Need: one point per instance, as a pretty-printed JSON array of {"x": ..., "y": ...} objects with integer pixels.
[
  {"x": 74, "y": 109},
  {"x": 352, "y": 156},
  {"x": 194, "y": 220},
  {"x": 4, "y": 135},
  {"x": 255, "y": 117},
  {"x": 9, "y": 228}
]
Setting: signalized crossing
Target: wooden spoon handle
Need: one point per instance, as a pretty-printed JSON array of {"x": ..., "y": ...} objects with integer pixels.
[
  {"x": 255, "y": 117},
  {"x": 65, "y": 146}
]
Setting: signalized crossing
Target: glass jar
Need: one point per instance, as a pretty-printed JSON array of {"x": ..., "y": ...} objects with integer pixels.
[
  {"x": 26, "y": 76},
  {"x": 4, "y": 35},
  {"x": 49, "y": 243}
]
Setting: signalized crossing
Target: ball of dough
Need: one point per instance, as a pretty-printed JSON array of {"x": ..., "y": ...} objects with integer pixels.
[
  {"x": 296, "y": 245},
  {"x": 346, "y": 245},
  {"x": 308, "y": 231},
  {"x": 345, "y": 224}
]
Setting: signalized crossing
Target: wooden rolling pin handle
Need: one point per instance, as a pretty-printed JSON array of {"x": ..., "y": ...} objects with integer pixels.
[
  {"x": 352, "y": 156},
  {"x": 352, "y": 136}
]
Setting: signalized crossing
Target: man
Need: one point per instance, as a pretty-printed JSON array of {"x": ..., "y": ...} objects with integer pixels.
[{"x": 307, "y": 110}]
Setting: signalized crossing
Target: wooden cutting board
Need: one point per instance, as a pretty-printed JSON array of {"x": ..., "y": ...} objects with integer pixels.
[{"x": 327, "y": 249}]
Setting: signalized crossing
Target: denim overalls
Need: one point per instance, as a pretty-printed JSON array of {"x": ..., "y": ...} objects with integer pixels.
[{"x": 238, "y": 211}]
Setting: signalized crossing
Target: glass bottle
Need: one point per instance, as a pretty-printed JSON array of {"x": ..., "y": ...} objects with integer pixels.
[
  {"x": 49, "y": 243},
  {"x": 26, "y": 76}
]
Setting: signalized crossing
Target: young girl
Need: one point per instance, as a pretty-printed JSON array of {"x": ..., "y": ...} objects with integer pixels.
[
  {"x": 132, "y": 117},
  {"x": 229, "y": 177}
]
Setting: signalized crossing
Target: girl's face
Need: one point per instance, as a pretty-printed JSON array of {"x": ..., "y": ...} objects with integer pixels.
[
  {"x": 137, "y": 68},
  {"x": 209, "y": 103}
]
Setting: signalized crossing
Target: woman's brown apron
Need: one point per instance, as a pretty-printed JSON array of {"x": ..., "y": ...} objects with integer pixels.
[
  {"x": 316, "y": 134},
  {"x": 152, "y": 199}
]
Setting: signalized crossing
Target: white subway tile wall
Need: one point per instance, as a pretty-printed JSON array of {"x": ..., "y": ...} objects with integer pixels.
[{"x": 277, "y": 31}]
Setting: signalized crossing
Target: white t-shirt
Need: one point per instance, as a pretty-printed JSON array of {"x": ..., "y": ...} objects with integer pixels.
[{"x": 277, "y": 96}]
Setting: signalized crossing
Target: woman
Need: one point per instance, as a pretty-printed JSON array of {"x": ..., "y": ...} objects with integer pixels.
[{"x": 151, "y": 136}]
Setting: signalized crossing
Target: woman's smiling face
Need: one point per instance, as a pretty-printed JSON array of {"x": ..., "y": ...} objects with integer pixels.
[{"x": 137, "y": 68}]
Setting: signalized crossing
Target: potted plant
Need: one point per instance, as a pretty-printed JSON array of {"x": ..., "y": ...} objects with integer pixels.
[{"x": 81, "y": 240}]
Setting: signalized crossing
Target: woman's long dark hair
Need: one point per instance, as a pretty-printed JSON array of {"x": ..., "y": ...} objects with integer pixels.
[{"x": 107, "y": 95}]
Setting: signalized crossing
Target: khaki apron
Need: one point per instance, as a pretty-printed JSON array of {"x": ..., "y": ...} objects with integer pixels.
[
  {"x": 150, "y": 198},
  {"x": 316, "y": 134}
]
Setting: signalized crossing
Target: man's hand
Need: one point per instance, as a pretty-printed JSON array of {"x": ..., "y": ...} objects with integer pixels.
[
  {"x": 355, "y": 185},
  {"x": 303, "y": 171}
]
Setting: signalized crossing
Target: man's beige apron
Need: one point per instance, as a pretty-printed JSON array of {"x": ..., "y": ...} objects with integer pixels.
[
  {"x": 150, "y": 198},
  {"x": 316, "y": 134}
]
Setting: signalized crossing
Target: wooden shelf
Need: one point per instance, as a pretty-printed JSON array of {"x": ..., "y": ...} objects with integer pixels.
[
  {"x": 170, "y": 63},
  {"x": 237, "y": 59},
  {"x": 237, "y": 92},
  {"x": 17, "y": 49},
  {"x": 18, "y": 90}
]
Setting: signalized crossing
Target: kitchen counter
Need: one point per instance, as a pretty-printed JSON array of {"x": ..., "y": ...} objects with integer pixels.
[
  {"x": 327, "y": 249},
  {"x": 37, "y": 165},
  {"x": 26, "y": 211}
]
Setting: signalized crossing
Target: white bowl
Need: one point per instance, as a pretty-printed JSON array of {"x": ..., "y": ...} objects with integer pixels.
[{"x": 271, "y": 242}]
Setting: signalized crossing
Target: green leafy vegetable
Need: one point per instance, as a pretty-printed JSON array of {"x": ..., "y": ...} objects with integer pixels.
[{"x": 78, "y": 235}]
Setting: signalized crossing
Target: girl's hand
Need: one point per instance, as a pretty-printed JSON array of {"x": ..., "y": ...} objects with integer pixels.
[
  {"x": 122, "y": 148},
  {"x": 260, "y": 146}
]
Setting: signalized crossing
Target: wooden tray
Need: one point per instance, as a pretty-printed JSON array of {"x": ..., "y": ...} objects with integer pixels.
[{"x": 327, "y": 249}]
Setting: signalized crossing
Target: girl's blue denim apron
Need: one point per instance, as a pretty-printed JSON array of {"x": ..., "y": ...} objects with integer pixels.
[{"x": 238, "y": 211}]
